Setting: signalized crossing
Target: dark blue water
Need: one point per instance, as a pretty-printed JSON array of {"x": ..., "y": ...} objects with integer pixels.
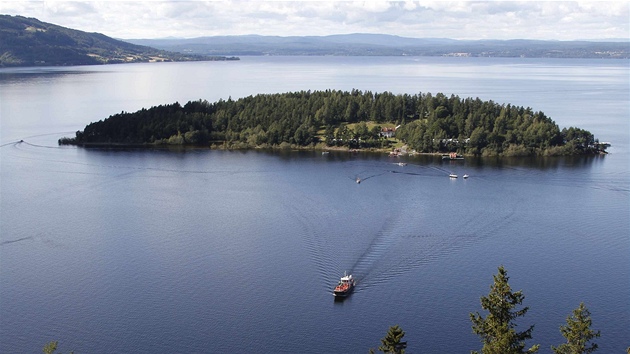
[{"x": 143, "y": 251}]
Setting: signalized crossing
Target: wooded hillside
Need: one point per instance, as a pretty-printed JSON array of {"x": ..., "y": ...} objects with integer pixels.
[{"x": 30, "y": 42}]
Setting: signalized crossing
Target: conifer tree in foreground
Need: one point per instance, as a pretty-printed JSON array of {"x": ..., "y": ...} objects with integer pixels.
[
  {"x": 578, "y": 333},
  {"x": 50, "y": 347},
  {"x": 392, "y": 343},
  {"x": 498, "y": 330}
]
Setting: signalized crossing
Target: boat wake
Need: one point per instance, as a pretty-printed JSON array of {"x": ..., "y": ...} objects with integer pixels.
[
  {"x": 396, "y": 235},
  {"x": 397, "y": 250}
]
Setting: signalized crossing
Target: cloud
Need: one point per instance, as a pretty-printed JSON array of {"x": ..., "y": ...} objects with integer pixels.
[
  {"x": 69, "y": 9},
  {"x": 558, "y": 20}
]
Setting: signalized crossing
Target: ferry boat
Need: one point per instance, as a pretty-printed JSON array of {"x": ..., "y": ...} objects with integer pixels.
[{"x": 345, "y": 286}]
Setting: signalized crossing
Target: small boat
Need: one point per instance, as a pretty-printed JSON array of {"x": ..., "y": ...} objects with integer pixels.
[
  {"x": 401, "y": 164},
  {"x": 345, "y": 286},
  {"x": 452, "y": 156},
  {"x": 465, "y": 176},
  {"x": 452, "y": 175},
  {"x": 358, "y": 180}
]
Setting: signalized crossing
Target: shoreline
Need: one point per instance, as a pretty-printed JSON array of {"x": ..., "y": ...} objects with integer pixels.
[{"x": 394, "y": 152}]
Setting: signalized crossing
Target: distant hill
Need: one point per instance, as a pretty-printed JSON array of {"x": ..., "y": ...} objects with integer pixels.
[
  {"x": 30, "y": 42},
  {"x": 380, "y": 44}
]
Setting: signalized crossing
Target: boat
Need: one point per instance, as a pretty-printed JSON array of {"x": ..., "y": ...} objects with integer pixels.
[
  {"x": 358, "y": 180},
  {"x": 452, "y": 156},
  {"x": 345, "y": 286},
  {"x": 452, "y": 175},
  {"x": 401, "y": 164},
  {"x": 465, "y": 176}
]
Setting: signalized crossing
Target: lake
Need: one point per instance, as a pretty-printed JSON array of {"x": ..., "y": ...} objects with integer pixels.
[{"x": 194, "y": 250}]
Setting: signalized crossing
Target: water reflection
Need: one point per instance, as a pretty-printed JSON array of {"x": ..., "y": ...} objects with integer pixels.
[
  {"x": 543, "y": 163},
  {"x": 24, "y": 75},
  {"x": 540, "y": 163}
]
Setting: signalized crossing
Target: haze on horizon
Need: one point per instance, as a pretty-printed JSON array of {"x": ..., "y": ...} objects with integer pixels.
[{"x": 543, "y": 20}]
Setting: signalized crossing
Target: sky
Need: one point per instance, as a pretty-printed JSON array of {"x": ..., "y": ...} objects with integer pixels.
[{"x": 545, "y": 20}]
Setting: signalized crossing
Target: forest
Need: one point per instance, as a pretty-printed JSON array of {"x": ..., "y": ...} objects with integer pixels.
[{"x": 330, "y": 119}]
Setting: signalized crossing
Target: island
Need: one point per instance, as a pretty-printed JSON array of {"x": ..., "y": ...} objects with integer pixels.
[{"x": 332, "y": 119}]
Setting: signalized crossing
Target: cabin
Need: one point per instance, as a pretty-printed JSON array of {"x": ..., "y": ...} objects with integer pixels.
[{"x": 389, "y": 132}]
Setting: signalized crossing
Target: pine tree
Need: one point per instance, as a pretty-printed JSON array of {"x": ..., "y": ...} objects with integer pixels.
[
  {"x": 578, "y": 333},
  {"x": 498, "y": 330},
  {"x": 50, "y": 347},
  {"x": 392, "y": 342}
]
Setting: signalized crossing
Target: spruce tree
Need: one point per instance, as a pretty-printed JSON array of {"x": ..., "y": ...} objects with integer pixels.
[
  {"x": 498, "y": 330},
  {"x": 50, "y": 347},
  {"x": 392, "y": 342},
  {"x": 578, "y": 333}
]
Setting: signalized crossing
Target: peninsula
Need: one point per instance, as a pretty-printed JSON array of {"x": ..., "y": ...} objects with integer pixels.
[
  {"x": 30, "y": 42},
  {"x": 345, "y": 120}
]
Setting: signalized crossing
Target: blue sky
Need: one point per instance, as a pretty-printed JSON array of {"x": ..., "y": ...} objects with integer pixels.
[{"x": 549, "y": 20}]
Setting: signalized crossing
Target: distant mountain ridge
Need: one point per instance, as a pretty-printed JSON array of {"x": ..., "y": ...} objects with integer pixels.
[
  {"x": 382, "y": 44},
  {"x": 30, "y": 42}
]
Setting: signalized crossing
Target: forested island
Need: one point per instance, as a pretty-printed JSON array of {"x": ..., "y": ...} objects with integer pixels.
[{"x": 357, "y": 119}]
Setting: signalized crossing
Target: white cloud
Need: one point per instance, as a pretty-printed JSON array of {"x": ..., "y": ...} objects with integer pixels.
[
  {"x": 559, "y": 20},
  {"x": 372, "y": 6}
]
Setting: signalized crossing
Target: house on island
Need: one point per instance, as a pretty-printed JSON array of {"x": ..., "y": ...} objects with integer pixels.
[{"x": 389, "y": 132}]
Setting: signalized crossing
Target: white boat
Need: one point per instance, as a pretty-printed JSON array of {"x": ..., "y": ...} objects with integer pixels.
[
  {"x": 452, "y": 175},
  {"x": 402, "y": 164},
  {"x": 465, "y": 176},
  {"x": 345, "y": 286}
]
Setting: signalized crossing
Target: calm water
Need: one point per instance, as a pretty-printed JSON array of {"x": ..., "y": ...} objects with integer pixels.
[{"x": 145, "y": 251}]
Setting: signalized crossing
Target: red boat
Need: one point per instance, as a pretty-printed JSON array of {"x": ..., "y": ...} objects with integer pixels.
[{"x": 345, "y": 286}]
